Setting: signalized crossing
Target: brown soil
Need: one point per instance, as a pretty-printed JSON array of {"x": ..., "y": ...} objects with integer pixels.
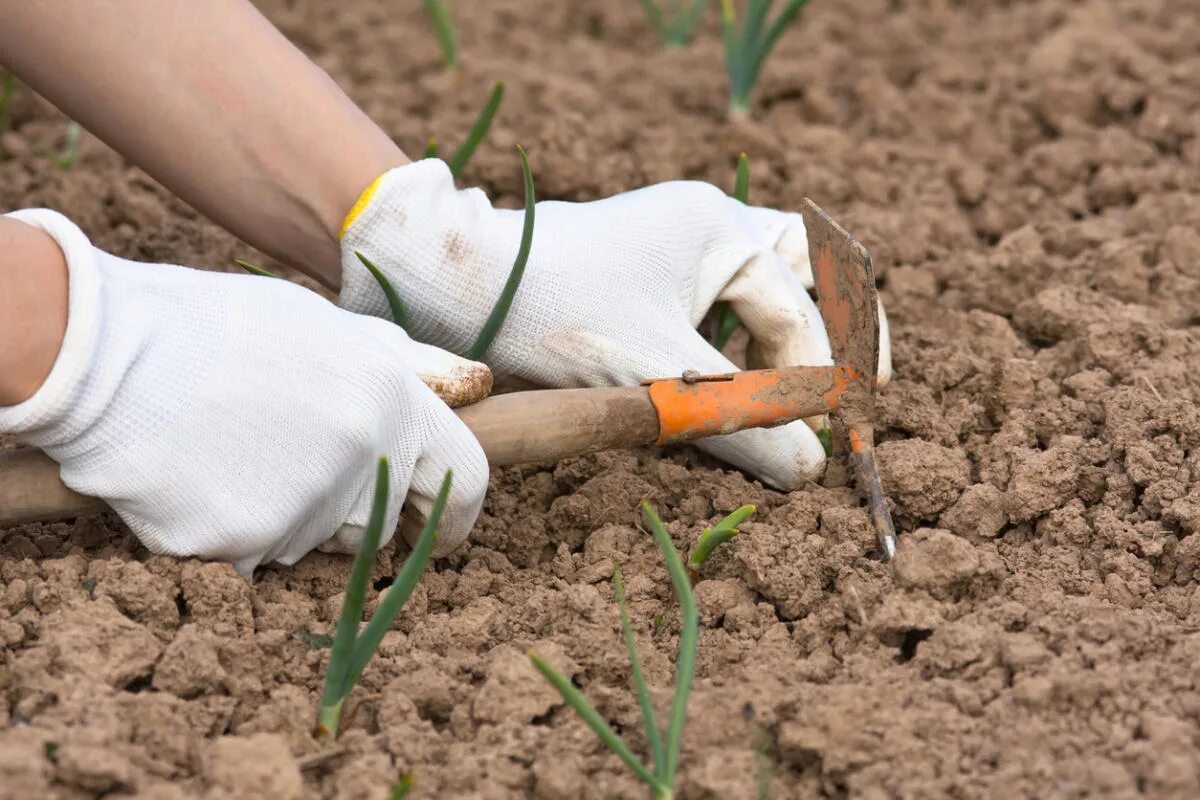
[{"x": 1030, "y": 174}]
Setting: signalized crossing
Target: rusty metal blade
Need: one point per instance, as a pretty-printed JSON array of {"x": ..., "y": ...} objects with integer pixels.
[{"x": 846, "y": 295}]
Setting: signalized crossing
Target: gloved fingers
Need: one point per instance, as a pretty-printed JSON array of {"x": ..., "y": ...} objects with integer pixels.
[
  {"x": 785, "y": 326},
  {"x": 783, "y": 232},
  {"x": 783, "y": 457},
  {"x": 456, "y": 380},
  {"x": 454, "y": 449}
]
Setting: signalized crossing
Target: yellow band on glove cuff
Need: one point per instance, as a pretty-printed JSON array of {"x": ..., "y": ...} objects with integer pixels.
[{"x": 360, "y": 204}]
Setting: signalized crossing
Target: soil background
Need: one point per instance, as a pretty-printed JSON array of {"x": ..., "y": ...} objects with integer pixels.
[{"x": 1028, "y": 172}]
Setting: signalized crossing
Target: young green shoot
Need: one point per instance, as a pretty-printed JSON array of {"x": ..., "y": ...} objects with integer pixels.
[
  {"x": 399, "y": 316},
  {"x": 495, "y": 320},
  {"x": 458, "y": 161},
  {"x": 727, "y": 319},
  {"x": 664, "y": 751},
  {"x": 825, "y": 435},
  {"x": 352, "y": 650},
  {"x": 443, "y": 24},
  {"x": 714, "y": 537},
  {"x": 254, "y": 270},
  {"x": 65, "y": 158},
  {"x": 402, "y": 787},
  {"x": 8, "y": 87},
  {"x": 676, "y": 25},
  {"x": 748, "y": 44}
]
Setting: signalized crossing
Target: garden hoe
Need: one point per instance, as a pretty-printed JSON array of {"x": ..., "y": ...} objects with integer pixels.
[{"x": 547, "y": 425}]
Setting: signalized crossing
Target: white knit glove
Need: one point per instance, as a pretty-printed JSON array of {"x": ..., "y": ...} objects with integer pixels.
[
  {"x": 240, "y": 418},
  {"x": 612, "y": 293}
]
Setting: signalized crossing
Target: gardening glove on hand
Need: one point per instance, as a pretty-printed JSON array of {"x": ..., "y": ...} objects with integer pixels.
[
  {"x": 241, "y": 418},
  {"x": 612, "y": 293}
]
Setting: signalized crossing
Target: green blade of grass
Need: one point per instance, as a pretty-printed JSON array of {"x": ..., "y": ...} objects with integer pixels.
[
  {"x": 656, "y": 18},
  {"x": 253, "y": 270},
  {"x": 389, "y": 292},
  {"x": 65, "y": 159},
  {"x": 483, "y": 122},
  {"x": 785, "y": 18},
  {"x": 718, "y": 534},
  {"x": 7, "y": 89},
  {"x": 338, "y": 670},
  {"x": 653, "y": 736},
  {"x": 495, "y": 320},
  {"x": 685, "y": 666},
  {"x": 741, "y": 184},
  {"x": 402, "y": 787},
  {"x": 591, "y": 717},
  {"x": 444, "y": 26},
  {"x": 401, "y": 588}
]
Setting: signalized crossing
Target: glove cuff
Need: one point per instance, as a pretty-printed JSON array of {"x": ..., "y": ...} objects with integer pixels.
[{"x": 40, "y": 419}]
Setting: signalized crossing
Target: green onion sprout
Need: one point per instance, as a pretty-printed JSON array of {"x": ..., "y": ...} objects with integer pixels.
[
  {"x": 402, "y": 787},
  {"x": 748, "y": 47},
  {"x": 676, "y": 26},
  {"x": 65, "y": 158},
  {"x": 495, "y": 320},
  {"x": 717, "y": 535},
  {"x": 458, "y": 161},
  {"x": 664, "y": 754},
  {"x": 727, "y": 319},
  {"x": 253, "y": 270},
  {"x": 393, "y": 298},
  {"x": 444, "y": 25},
  {"x": 351, "y": 651}
]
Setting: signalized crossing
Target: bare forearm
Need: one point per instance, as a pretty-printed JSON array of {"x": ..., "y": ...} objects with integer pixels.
[
  {"x": 33, "y": 306},
  {"x": 213, "y": 102}
]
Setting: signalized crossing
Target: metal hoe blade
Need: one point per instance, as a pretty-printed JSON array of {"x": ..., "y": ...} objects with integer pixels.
[{"x": 849, "y": 304}]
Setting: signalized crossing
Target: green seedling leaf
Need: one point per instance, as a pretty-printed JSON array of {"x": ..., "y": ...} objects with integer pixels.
[
  {"x": 8, "y": 87},
  {"x": 826, "y": 437},
  {"x": 717, "y": 535},
  {"x": 483, "y": 122},
  {"x": 402, "y": 787},
  {"x": 677, "y": 31},
  {"x": 393, "y": 299},
  {"x": 315, "y": 641},
  {"x": 653, "y": 736},
  {"x": 337, "y": 673},
  {"x": 575, "y": 699},
  {"x": 495, "y": 320},
  {"x": 685, "y": 663},
  {"x": 747, "y": 46},
  {"x": 401, "y": 588},
  {"x": 65, "y": 159},
  {"x": 431, "y": 148},
  {"x": 253, "y": 270},
  {"x": 727, "y": 318},
  {"x": 443, "y": 24}
]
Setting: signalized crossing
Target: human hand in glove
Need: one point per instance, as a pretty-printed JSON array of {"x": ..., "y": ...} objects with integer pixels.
[
  {"x": 612, "y": 293},
  {"x": 240, "y": 418}
]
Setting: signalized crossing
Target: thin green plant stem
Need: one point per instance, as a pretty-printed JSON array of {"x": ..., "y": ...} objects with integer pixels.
[
  {"x": 747, "y": 48},
  {"x": 727, "y": 318},
  {"x": 685, "y": 665},
  {"x": 591, "y": 717},
  {"x": 399, "y": 316},
  {"x": 483, "y": 122},
  {"x": 717, "y": 535},
  {"x": 495, "y": 320},
  {"x": 401, "y": 588},
  {"x": 431, "y": 148},
  {"x": 254, "y": 270},
  {"x": 8, "y": 87},
  {"x": 65, "y": 158},
  {"x": 443, "y": 24},
  {"x": 402, "y": 787},
  {"x": 653, "y": 736},
  {"x": 675, "y": 30},
  {"x": 340, "y": 655}
]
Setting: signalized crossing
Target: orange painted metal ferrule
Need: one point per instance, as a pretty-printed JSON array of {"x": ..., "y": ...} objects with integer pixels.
[{"x": 706, "y": 405}]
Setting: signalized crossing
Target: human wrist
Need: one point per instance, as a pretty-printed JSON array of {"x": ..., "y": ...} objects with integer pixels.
[{"x": 33, "y": 301}]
